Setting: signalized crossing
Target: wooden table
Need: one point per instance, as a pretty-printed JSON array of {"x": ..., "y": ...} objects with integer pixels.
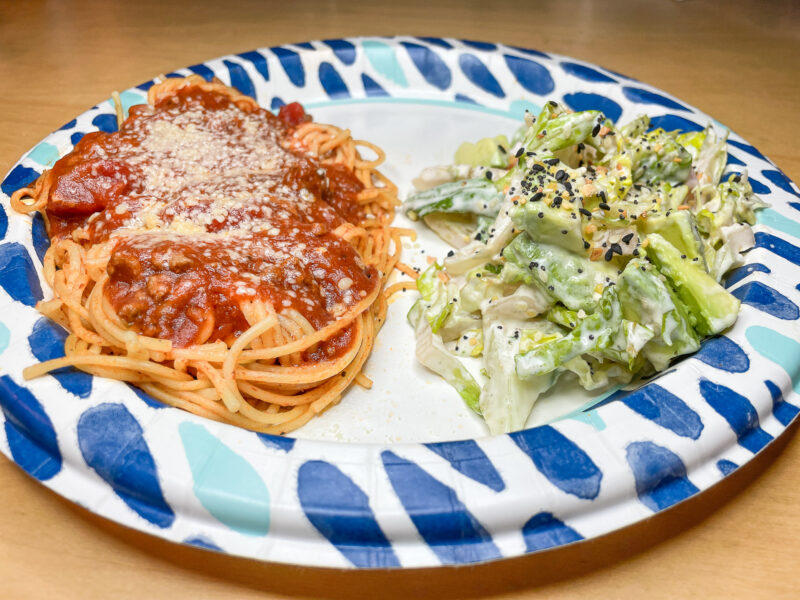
[{"x": 739, "y": 63}]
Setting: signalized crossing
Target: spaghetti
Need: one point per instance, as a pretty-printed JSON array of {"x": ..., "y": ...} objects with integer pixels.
[{"x": 227, "y": 261}]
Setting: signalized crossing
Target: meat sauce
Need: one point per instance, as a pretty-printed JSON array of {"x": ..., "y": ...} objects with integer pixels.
[{"x": 205, "y": 207}]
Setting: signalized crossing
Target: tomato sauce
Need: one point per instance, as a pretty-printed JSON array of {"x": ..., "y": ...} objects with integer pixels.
[{"x": 205, "y": 207}]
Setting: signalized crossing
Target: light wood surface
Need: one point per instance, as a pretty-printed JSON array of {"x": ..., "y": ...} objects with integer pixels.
[{"x": 738, "y": 61}]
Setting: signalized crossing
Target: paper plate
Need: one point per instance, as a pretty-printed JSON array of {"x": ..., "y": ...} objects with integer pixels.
[{"x": 403, "y": 475}]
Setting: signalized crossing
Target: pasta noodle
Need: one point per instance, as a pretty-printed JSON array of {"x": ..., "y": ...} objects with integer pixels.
[{"x": 258, "y": 357}]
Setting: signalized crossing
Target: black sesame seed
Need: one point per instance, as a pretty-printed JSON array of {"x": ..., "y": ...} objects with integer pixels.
[
  {"x": 520, "y": 152},
  {"x": 586, "y": 212},
  {"x": 451, "y": 253},
  {"x": 552, "y": 162},
  {"x": 586, "y": 244},
  {"x": 604, "y": 206},
  {"x": 596, "y": 130},
  {"x": 489, "y": 175},
  {"x": 537, "y": 196},
  {"x": 627, "y": 238}
]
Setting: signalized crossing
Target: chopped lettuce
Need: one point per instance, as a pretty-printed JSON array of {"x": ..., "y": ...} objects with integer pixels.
[{"x": 581, "y": 248}]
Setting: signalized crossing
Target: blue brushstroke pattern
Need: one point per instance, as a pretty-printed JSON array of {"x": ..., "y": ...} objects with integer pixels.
[
  {"x": 561, "y": 460},
  {"x": 39, "y": 238},
  {"x": 259, "y": 61},
  {"x": 434, "y": 41},
  {"x": 641, "y": 96},
  {"x": 586, "y": 73},
  {"x": 18, "y": 178},
  {"x": 68, "y": 125},
  {"x": 544, "y": 531},
  {"x": 17, "y": 275},
  {"x": 203, "y": 71},
  {"x": 469, "y": 459},
  {"x": 332, "y": 82},
  {"x": 585, "y": 101},
  {"x": 463, "y": 98},
  {"x": 478, "y": 74},
  {"x": 782, "y": 350},
  {"x": 278, "y": 442},
  {"x": 292, "y": 65},
  {"x": 737, "y": 275},
  {"x": 225, "y": 483},
  {"x": 111, "y": 442},
  {"x": 613, "y": 397},
  {"x": 660, "y": 475},
  {"x": 768, "y": 300},
  {"x": 47, "y": 342},
  {"x": 781, "y": 180},
  {"x": 340, "y": 511},
  {"x": 372, "y": 87},
  {"x": 723, "y": 353},
  {"x": 778, "y": 246},
  {"x": 732, "y": 160},
  {"x": 479, "y": 45},
  {"x": 146, "y": 398},
  {"x": 305, "y": 45},
  {"x": 747, "y": 148},
  {"x": 531, "y": 75},
  {"x": 430, "y": 65},
  {"x": 105, "y": 122},
  {"x": 239, "y": 78},
  {"x": 146, "y": 85},
  {"x": 738, "y": 412},
  {"x": 726, "y": 467},
  {"x": 451, "y": 531},
  {"x": 782, "y": 410},
  {"x": 795, "y": 205},
  {"x": 673, "y": 122},
  {"x": 30, "y": 433},
  {"x": 665, "y": 409},
  {"x": 76, "y": 137},
  {"x": 3, "y": 222},
  {"x": 344, "y": 50},
  {"x": 202, "y": 542},
  {"x": 758, "y": 187},
  {"x": 276, "y": 103}
]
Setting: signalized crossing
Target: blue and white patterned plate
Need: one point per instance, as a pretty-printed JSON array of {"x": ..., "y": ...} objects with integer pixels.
[{"x": 396, "y": 493}]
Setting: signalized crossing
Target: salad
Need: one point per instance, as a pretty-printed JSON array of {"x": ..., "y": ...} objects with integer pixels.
[{"x": 580, "y": 249}]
